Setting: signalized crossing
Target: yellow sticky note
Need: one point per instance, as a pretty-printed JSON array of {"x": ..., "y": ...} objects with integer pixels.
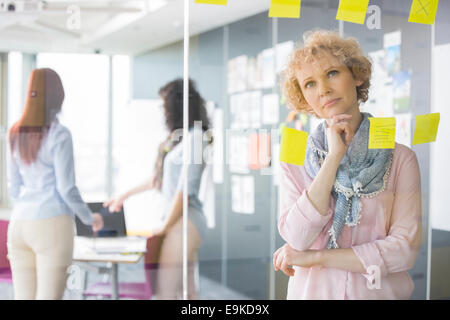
[
  {"x": 221, "y": 2},
  {"x": 382, "y": 133},
  {"x": 426, "y": 128},
  {"x": 423, "y": 11},
  {"x": 293, "y": 146},
  {"x": 352, "y": 10},
  {"x": 285, "y": 8}
]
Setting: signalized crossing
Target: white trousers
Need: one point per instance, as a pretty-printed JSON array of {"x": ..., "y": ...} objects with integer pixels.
[{"x": 40, "y": 251}]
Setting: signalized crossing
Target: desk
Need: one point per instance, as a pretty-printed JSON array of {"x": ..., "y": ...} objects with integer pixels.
[{"x": 84, "y": 251}]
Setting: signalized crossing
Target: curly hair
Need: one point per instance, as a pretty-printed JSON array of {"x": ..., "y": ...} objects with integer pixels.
[
  {"x": 347, "y": 51},
  {"x": 172, "y": 95}
]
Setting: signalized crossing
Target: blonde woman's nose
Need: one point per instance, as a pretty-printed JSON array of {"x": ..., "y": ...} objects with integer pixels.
[{"x": 324, "y": 88}]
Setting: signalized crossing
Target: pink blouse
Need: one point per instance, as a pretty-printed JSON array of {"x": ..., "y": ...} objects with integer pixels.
[{"x": 387, "y": 239}]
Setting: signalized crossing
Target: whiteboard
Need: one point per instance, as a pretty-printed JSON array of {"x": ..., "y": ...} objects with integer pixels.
[{"x": 440, "y": 149}]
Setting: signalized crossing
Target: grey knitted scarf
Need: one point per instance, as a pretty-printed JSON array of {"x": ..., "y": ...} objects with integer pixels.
[{"x": 363, "y": 172}]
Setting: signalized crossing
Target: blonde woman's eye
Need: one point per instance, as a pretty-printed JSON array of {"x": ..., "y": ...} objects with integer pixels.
[
  {"x": 333, "y": 73},
  {"x": 309, "y": 84}
]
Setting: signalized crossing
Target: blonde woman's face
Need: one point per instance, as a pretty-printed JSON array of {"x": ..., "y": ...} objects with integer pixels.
[{"x": 328, "y": 86}]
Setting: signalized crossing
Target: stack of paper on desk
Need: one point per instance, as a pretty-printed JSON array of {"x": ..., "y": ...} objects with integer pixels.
[{"x": 111, "y": 245}]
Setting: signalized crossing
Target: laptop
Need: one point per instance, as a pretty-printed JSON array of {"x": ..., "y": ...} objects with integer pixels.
[{"x": 114, "y": 223}]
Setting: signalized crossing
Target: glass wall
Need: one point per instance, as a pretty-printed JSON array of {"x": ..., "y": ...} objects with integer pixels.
[
  {"x": 237, "y": 54},
  {"x": 237, "y": 66}
]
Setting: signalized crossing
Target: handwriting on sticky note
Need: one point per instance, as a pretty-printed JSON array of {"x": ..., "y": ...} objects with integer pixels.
[
  {"x": 382, "y": 133},
  {"x": 426, "y": 128},
  {"x": 293, "y": 146},
  {"x": 221, "y": 2},
  {"x": 352, "y": 10},
  {"x": 423, "y": 11},
  {"x": 285, "y": 8}
]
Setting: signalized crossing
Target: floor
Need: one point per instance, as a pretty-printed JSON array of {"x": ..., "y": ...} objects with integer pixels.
[{"x": 209, "y": 290}]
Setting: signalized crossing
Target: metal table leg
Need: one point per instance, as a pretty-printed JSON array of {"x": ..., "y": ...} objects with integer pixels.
[{"x": 114, "y": 281}]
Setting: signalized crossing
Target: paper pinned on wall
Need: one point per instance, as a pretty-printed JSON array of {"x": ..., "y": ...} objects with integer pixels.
[
  {"x": 268, "y": 68},
  {"x": 218, "y": 146},
  {"x": 259, "y": 150},
  {"x": 253, "y": 152},
  {"x": 403, "y": 129},
  {"x": 237, "y": 74},
  {"x": 238, "y": 146},
  {"x": 380, "y": 102},
  {"x": 264, "y": 149},
  {"x": 243, "y": 194},
  {"x": 254, "y": 106},
  {"x": 392, "y": 42},
  {"x": 270, "y": 109},
  {"x": 378, "y": 64},
  {"x": 285, "y": 9},
  {"x": 423, "y": 11},
  {"x": 293, "y": 146},
  {"x": 382, "y": 133},
  {"x": 219, "y": 2},
  {"x": 252, "y": 74},
  {"x": 352, "y": 10},
  {"x": 402, "y": 91},
  {"x": 426, "y": 128},
  {"x": 240, "y": 111}
]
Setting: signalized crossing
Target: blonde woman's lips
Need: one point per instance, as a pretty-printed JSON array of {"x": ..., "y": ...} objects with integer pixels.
[{"x": 331, "y": 102}]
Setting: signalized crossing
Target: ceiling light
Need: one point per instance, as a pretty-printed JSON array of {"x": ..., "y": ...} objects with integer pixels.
[{"x": 154, "y": 5}]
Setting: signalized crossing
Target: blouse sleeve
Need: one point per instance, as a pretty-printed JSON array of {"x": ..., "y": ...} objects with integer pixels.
[
  {"x": 300, "y": 223},
  {"x": 399, "y": 250},
  {"x": 62, "y": 153},
  {"x": 15, "y": 181}
]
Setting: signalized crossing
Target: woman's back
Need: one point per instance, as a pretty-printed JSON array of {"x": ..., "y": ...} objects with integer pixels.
[{"x": 46, "y": 187}]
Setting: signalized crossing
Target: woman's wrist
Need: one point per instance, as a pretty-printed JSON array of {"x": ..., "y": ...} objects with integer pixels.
[
  {"x": 334, "y": 159},
  {"x": 320, "y": 258},
  {"x": 124, "y": 196}
]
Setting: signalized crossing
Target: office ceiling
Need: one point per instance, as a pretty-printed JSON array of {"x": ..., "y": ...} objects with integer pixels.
[{"x": 114, "y": 26}]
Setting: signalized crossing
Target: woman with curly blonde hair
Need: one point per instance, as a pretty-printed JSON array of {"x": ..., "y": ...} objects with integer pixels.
[{"x": 351, "y": 216}]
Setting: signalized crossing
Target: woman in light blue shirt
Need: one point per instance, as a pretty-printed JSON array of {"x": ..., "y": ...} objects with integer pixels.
[{"x": 41, "y": 182}]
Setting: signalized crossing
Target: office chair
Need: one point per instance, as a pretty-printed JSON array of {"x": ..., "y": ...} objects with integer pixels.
[{"x": 5, "y": 268}]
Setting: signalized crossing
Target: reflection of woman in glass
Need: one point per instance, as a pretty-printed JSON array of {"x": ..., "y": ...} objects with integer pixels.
[
  {"x": 42, "y": 185},
  {"x": 168, "y": 177},
  {"x": 351, "y": 216}
]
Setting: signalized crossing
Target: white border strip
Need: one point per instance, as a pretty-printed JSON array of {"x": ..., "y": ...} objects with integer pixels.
[
  {"x": 430, "y": 245},
  {"x": 185, "y": 143}
]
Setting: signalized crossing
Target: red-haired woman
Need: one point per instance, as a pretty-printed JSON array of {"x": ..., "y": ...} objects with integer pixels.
[{"x": 41, "y": 181}]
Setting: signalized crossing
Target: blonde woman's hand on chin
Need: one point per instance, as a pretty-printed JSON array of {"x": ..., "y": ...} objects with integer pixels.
[{"x": 339, "y": 135}]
